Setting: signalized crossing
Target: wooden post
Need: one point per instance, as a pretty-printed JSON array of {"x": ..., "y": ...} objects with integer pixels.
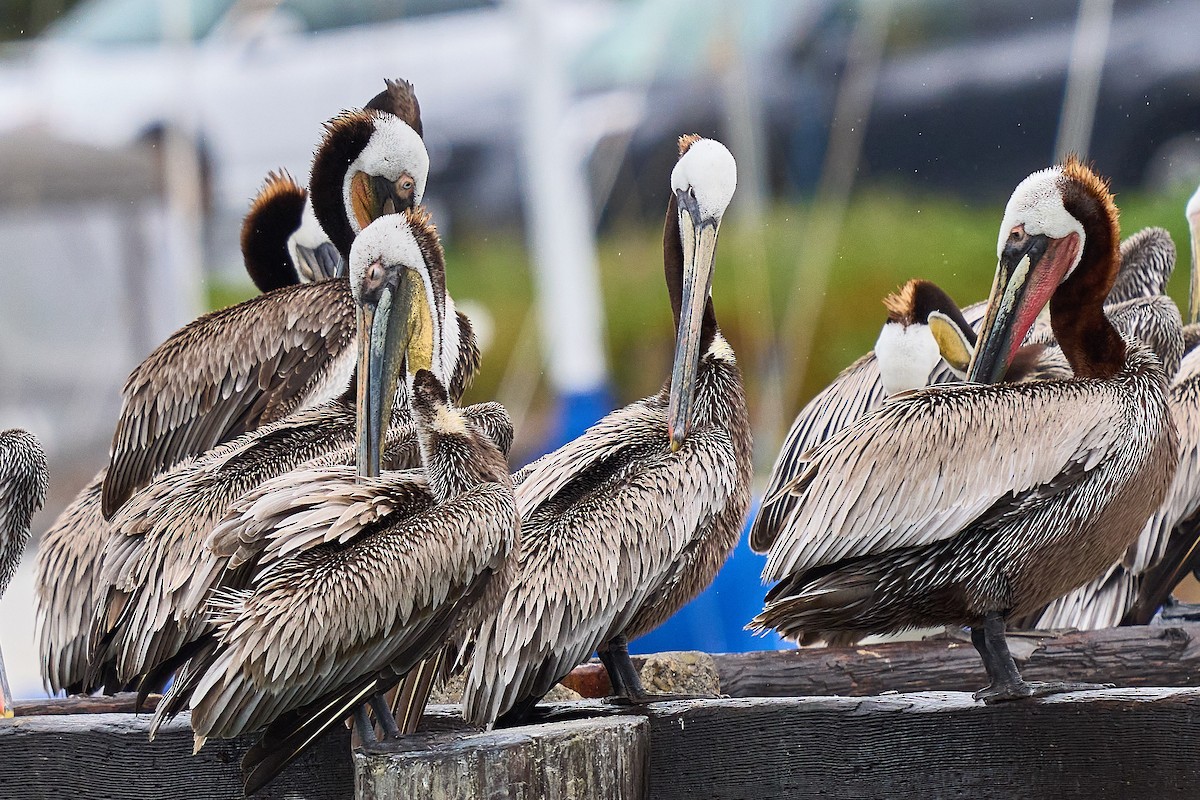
[
  {"x": 592, "y": 759},
  {"x": 1151, "y": 655}
]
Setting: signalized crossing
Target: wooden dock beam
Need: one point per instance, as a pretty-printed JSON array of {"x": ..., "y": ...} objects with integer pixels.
[
  {"x": 1131, "y": 744},
  {"x": 589, "y": 759}
]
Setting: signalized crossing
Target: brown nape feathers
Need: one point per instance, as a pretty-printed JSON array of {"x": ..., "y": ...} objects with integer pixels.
[
  {"x": 1074, "y": 169},
  {"x": 399, "y": 99},
  {"x": 687, "y": 140}
]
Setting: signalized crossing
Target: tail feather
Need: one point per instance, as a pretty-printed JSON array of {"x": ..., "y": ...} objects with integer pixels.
[
  {"x": 828, "y": 608},
  {"x": 288, "y": 736},
  {"x": 410, "y": 701}
]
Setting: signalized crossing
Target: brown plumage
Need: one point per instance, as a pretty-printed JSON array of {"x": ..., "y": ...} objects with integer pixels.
[
  {"x": 236, "y": 369},
  {"x": 246, "y": 367},
  {"x": 626, "y": 524},
  {"x": 1136, "y": 306},
  {"x": 925, "y": 513},
  {"x": 1132, "y": 590},
  {"x": 155, "y": 566},
  {"x": 276, "y": 212},
  {"x": 335, "y": 583}
]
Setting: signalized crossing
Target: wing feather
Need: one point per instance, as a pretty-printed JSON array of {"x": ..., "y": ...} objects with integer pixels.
[
  {"x": 597, "y": 544},
  {"x": 227, "y": 373},
  {"x": 926, "y": 465}
]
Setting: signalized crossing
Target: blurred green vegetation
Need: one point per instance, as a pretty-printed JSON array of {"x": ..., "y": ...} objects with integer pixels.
[
  {"x": 24, "y": 19},
  {"x": 889, "y": 236}
]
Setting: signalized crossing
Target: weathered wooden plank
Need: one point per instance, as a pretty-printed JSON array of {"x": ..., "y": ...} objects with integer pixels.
[
  {"x": 1151, "y": 655},
  {"x": 108, "y": 756},
  {"x": 122, "y": 703},
  {"x": 590, "y": 759},
  {"x": 1096, "y": 745}
]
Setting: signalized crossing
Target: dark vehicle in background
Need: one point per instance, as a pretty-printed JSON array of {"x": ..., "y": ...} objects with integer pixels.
[
  {"x": 968, "y": 95},
  {"x": 971, "y": 93}
]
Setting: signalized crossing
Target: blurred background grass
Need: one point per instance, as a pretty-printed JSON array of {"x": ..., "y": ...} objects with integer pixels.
[{"x": 889, "y": 236}]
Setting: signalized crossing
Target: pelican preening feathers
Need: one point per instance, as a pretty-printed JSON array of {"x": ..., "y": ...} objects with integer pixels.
[
  {"x": 981, "y": 516},
  {"x": 297, "y": 515}
]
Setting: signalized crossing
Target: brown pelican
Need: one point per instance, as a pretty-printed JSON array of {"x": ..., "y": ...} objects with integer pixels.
[
  {"x": 233, "y": 370},
  {"x": 157, "y": 573},
  {"x": 283, "y": 243},
  {"x": 1133, "y": 589},
  {"x": 228, "y": 372},
  {"x": 630, "y": 521},
  {"x": 1136, "y": 306},
  {"x": 357, "y": 577},
  {"x": 23, "y": 480},
  {"x": 954, "y": 505},
  {"x": 924, "y": 326}
]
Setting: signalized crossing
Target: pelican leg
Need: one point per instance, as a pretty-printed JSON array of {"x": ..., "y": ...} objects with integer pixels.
[
  {"x": 626, "y": 682},
  {"x": 383, "y": 715},
  {"x": 363, "y": 726},
  {"x": 1007, "y": 683},
  {"x": 6, "y": 701}
]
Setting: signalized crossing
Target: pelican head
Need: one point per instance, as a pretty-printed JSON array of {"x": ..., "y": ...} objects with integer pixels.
[
  {"x": 924, "y": 326},
  {"x": 397, "y": 278},
  {"x": 370, "y": 163},
  {"x": 1193, "y": 218},
  {"x": 703, "y": 182},
  {"x": 1041, "y": 242}
]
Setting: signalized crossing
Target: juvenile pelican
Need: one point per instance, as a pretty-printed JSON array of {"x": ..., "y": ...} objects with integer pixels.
[
  {"x": 968, "y": 504},
  {"x": 23, "y": 481},
  {"x": 626, "y": 524},
  {"x": 1136, "y": 306},
  {"x": 356, "y": 578}
]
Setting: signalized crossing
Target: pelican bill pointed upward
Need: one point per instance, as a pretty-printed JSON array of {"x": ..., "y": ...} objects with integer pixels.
[{"x": 627, "y": 523}]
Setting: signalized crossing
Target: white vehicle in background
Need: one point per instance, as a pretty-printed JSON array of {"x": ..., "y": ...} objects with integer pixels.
[{"x": 251, "y": 81}]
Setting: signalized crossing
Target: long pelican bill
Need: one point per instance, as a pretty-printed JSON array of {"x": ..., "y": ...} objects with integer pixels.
[
  {"x": 372, "y": 196},
  {"x": 1029, "y": 270},
  {"x": 698, "y": 236},
  {"x": 319, "y": 263},
  {"x": 953, "y": 344},
  {"x": 399, "y": 328}
]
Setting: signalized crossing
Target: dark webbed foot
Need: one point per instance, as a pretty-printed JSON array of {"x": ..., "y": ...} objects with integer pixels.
[
  {"x": 1019, "y": 691},
  {"x": 1007, "y": 683},
  {"x": 642, "y": 698}
]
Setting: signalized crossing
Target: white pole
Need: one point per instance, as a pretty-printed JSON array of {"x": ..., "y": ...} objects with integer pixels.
[
  {"x": 1084, "y": 71},
  {"x": 566, "y": 277},
  {"x": 181, "y": 182}
]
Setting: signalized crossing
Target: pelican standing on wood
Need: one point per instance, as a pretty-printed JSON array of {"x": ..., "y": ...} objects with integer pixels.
[
  {"x": 1136, "y": 305},
  {"x": 237, "y": 369},
  {"x": 23, "y": 482},
  {"x": 965, "y": 505},
  {"x": 623, "y": 526},
  {"x": 356, "y": 580}
]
